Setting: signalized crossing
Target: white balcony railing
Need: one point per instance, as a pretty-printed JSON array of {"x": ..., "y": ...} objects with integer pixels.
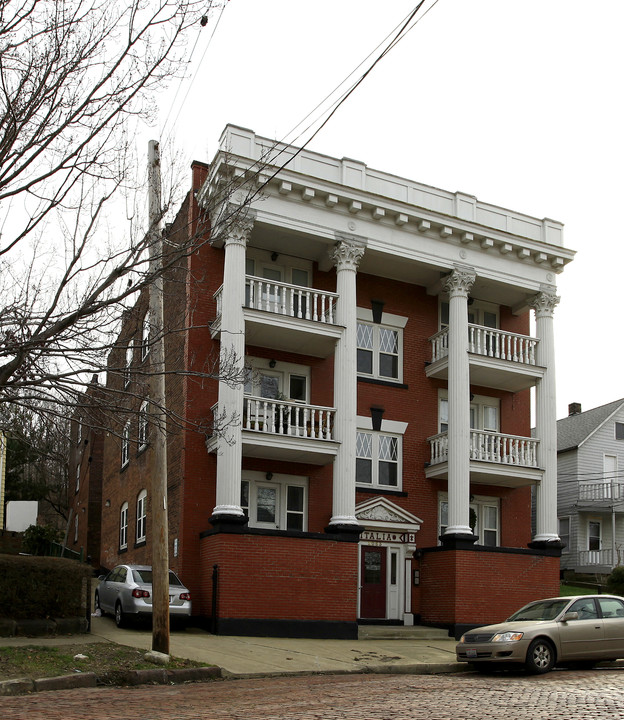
[
  {"x": 279, "y": 417},
  {"x": 489, "y": 342},
  {"x": 596, "y": 557},
  {"x": 597, "y": 492},
  {"x": 285, "y": 299},
  {"x": 492, "y": 447}
]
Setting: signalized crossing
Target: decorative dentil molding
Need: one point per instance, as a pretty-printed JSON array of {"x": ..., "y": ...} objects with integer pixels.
[
  {"x": 544, "y": 303},
  {"x": 460, "y": 281}
]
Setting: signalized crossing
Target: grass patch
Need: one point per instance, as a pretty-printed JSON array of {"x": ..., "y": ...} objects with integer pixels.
[
  {"x": 576, "y": 590},
  {"x": 103, "y": 659}
]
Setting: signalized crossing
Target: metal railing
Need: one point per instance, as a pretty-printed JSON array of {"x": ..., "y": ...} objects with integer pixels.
[
  {"x": 489, "y": 342},
  {"x": 486, "y": 446}
]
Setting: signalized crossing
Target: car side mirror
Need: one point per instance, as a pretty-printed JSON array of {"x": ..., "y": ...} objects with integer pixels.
[{"x": 570, "y": 616}]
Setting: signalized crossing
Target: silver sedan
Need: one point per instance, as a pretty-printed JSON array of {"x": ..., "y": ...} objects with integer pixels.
[
  {"x": 580, "y": 630},
  {"x": 126, "y": 593}
]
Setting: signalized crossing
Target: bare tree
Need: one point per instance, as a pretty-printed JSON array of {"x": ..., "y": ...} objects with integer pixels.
[{"x": 75, "y": 79}]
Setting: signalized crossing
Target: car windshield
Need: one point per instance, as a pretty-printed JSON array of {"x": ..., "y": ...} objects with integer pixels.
[
  {"x": 541, "y": 610},
  {"x": 145, "y": 576}
]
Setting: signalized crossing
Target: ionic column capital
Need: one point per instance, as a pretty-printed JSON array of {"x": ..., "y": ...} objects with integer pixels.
[
  {"x": 347, "y": 253},
  {"x": 459, "y": 282},
  {"x": 544, "y": 303}
]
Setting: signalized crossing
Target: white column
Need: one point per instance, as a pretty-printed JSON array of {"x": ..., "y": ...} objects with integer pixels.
[
  {"x": 232, "y": 366},
  {"x": 458, "y": 285},
  {"x": 346, "y": 256},
  {"x": 544, "y": 304}
]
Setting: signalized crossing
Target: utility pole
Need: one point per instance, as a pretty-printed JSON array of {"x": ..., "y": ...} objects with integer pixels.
[{"x": 158, "y": 418}]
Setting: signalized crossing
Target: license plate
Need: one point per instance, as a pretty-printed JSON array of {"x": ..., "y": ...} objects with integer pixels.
[{"x": 471, "y": 652}]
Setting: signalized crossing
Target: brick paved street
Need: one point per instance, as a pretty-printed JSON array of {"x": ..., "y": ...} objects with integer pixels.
[{"x": 561, "y": 695}]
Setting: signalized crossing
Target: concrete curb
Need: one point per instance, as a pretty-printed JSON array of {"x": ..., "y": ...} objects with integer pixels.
[{"x": 158, "y": 676}]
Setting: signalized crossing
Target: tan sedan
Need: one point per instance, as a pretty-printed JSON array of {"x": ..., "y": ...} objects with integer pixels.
[{"x": 580, "y": 630}]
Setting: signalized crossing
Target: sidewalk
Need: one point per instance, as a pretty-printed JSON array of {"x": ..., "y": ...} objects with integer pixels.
[
  {"x": 398, "y": 650},
  {"x": 427, "y": 652}
]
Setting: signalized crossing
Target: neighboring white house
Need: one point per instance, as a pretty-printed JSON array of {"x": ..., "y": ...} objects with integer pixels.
[{"x": 590, "y": 507}]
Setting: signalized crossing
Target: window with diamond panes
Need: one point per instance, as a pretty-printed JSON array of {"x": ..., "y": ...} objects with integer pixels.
[
  {"x": 378, "y": 352},
  {"x": 377, "y": 460}
]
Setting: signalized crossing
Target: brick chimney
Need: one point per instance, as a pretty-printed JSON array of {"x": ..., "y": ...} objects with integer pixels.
[{"x": 574, "y": 409}]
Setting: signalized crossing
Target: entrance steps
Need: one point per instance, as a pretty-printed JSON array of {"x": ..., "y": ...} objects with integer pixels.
[{"x": 401, "y": 632}]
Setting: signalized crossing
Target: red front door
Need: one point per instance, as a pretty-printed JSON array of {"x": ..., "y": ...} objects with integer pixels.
[{"x": 373, "y": 582}]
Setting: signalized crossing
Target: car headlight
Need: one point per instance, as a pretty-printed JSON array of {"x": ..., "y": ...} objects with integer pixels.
[{"x": 507, "y": 637}]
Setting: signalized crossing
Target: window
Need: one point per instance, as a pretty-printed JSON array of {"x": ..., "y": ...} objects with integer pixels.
[
  {"x": 479, "y": 313},
  {"x": 593, "y": 535},
  {"x": 484, "y": 413},
  {"x": 123, "y": 527},
  {"x": 285, "y": 381},
  {"x": 79, "y": 432},
  {"x": 484, "y": 518},
  {"x": 275, "y": 502},
  {"x": 378, "y": 351},
  {"x": 619, "y": 431},
  {"x": 141, "y": 516},
  {"x": 125, "y": 445},
  {"x": 378, "y": 459},
  {"x": 145, "y": 337},
  {"x": 76, "y": 529},
  {"x": 77, "y": 477},
  {"x": 143, "y": 425},
  {"x": 564, "y": 534},
  {"x": 611, "y": 607},
  {"x": 128, "y": 365}
]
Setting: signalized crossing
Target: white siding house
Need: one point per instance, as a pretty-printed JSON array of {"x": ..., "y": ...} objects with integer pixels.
[{"x": 590, "y": 503}]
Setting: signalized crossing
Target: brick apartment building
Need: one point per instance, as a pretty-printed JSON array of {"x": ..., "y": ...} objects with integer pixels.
[{"x": 374, "y": 462}]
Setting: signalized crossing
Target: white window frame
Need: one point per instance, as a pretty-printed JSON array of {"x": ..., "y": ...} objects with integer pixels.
[
  {"x": 620, "y": 426},
  {"x": 389, "y": 428},
  {"x": 141, "y": 516},
  {"x": 393, "y": 323},
  {"x": 125, "y": 444},
  {"x": 145, "y": 335},
  {"x": 565, "y": 519},
  {"x": 280, "y": 484},
  {"x": 123, "y": 526},
  {"x": 256, "y": 367},
  {"x": 76, "y": 528},
  {"x": 478, "y": 503},
  {"x": 478, "y": 404},
  {"x": 256, "y": 260},
  {"x": 143, "y": 425},
  {"x": 79, "y": 431},
  {"x": 127, "y": 375},
  {"x": 77, "y": 477},
  {"x": 598, "y": 522},
  {"x": 477, "y": 308}
]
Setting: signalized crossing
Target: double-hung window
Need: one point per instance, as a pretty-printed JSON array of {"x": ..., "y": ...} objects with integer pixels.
[
  {"x": 275, "y": 502},
  {"x": 380, "y": 346},
  {"x": 377, "y": 461},
  {"x": 123, "y": 527},
  {"x": 127, "y": 374},
  {"x": 125, "y": 445},
  {"x": 141, "y": 516},
  {"x": 145, "y": 336},
  {"x": 484, "y": 413},
  {"x": 143, "y": 417},
  {"x": 564, "y": 534},
  {"x": 484, "y": 518}
]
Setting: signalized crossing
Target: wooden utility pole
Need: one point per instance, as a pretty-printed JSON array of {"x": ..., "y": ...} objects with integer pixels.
[{"x": 158, "y": 418}]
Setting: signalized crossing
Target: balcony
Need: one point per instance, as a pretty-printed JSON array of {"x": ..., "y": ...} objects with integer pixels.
[
  {"x": 596, "y": 560},
  {"x": 498, "y": 359},
  {"x": 495, "y": 459},
  {"x": 284, "y": 430},
  {"x": 594, "y": 495},
  {"x": 307, "y": 317}
]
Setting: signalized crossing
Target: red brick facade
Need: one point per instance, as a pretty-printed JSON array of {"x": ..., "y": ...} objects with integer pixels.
[{"x": 288, "y": 581}]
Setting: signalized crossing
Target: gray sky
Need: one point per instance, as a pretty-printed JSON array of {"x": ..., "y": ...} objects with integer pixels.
[{"x": 518, "y": 103}]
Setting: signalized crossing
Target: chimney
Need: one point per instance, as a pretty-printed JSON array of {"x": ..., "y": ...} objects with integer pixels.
[{"x": 574, "y": 409}]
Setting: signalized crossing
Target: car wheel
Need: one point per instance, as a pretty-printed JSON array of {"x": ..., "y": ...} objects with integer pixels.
[
  {"x": 120, "y": 618},
  {"x": 97, "y": 604},
  {"x": 540, "y": 656}
]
